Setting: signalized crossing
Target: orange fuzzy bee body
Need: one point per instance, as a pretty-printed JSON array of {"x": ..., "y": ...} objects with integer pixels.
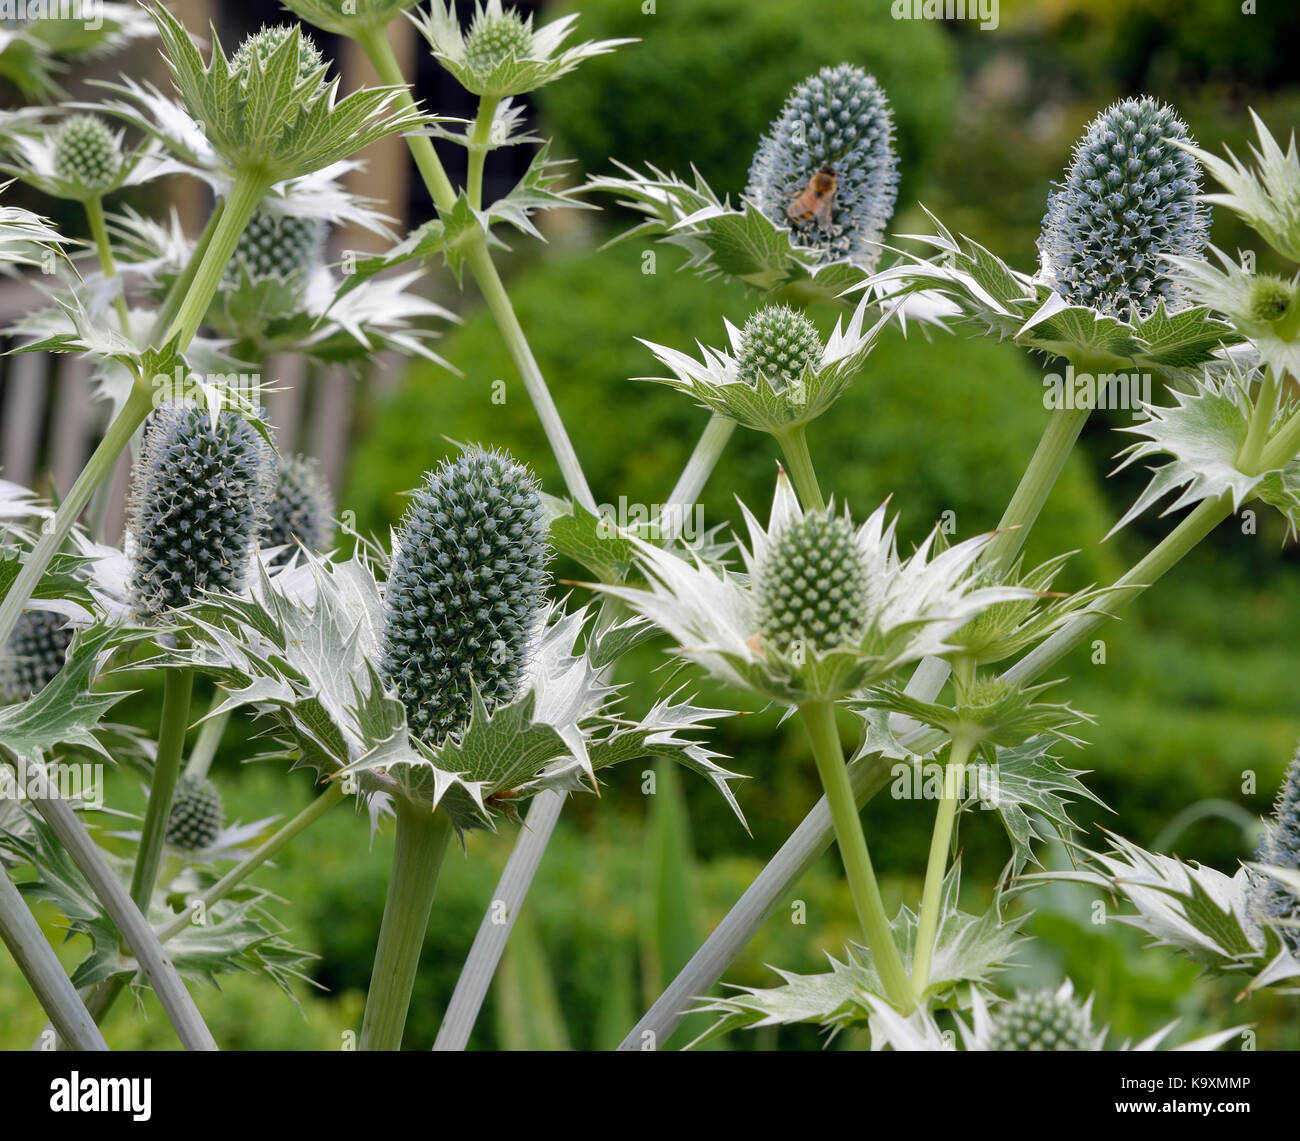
[{"x": 815, "y": 200}]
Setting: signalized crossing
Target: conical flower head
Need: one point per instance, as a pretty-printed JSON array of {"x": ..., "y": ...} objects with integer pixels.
[
  {"x": 199, "y": 494},
  {"x": 277, "y": 246},
  {"x": 813, "y": 587},
  {"x": 495, "y": 37},
  {"x": 1129, "y": 202},
  {"x": 777, "y": 345},
  {"x": 265, "y": 43},
  {"x": 302, "y": 509},
  {"x": 1047, "y": 1020},
  {"x": 36, "y": 652},
  {"x": 196, "y": 815},
  {"x": 1280, "y": 847},
  {"x": 87, "y": 153},
  {"x": 827, "y": 167},
  {"x": 465, "y": 592}
]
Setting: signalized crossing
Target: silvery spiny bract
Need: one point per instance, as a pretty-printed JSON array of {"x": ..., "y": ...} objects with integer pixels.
[
  {"x": 1128, "y": 203},
  {"x": 87, "y": 153},
  {"x": 777, "y": 346},
  {"x": 301, "y": 510},
  {"x": 1046, "y": 1020},
  {"x": 35, "y": 654},
  {"x": 196, "y": 815},
  {"x": 466, "y": 590},
  {"x": 812, "y": 587},
  {"x": 840, "y": 119},
  {"x": 278, "y": 246},
  {"x": 199, "y": 494},
  {"x": 1280, "y": 847}
]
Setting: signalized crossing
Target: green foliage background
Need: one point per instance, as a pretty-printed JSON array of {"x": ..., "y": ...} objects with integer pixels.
[{"x": 1194, "y": 690}]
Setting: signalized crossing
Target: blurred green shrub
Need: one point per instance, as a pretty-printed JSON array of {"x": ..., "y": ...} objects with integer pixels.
[{"x": 709, "y": 76}]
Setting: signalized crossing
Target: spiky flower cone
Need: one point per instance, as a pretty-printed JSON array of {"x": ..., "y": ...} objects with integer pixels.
[
  {"x": 36, "y": 652},
  {"x": 493, "y": 38},
  {"x": 198, "y": 502},
  {"x": 1280, "y": 846},
  {"x": 1129, "y": 200},
  {"x": 277, "y": 246},
  {"x": 465, "y": 591},
  {"x": 1042, "y": 1021},
  {"x": 302, "y": 509},
  {"x": 837, "y": 119},
  {"x": 87, "y": 153},
  {"x": 264, "y": 43},
  {"x": 196, "y": 815},
  {"x": 776, "y": 345},
  {"x": 812, "y": 587}
]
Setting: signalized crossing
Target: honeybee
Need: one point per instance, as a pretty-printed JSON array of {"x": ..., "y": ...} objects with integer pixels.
[{"x": 816, "y": 199}]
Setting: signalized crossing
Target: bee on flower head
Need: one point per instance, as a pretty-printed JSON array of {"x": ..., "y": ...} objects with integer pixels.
[{"x": 816, "y": 199}]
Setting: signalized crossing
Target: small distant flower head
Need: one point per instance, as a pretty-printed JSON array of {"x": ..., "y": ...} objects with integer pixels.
[
  {"x": 87, "y": 153},
  {"x": 1043, "y": 1020},
  {"x": 302, "y": 509},
  {"x": 1280, "y": 847},
  {"x": 279, "y": 246},
  {"x": 263, "y": 46},
  {"x": 36, "y": 652},
  {"x": 196, "y": 815}
]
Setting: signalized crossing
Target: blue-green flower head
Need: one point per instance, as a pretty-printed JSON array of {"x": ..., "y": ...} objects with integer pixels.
[
  {"x": 1280, "y": 847},
  {"x": 199, "y": 495},
  {"x": 36, "y": 652},
  {"x": 197, "y": 814},
  {"x": 87, "y": 153},
  {"x": 466, "y": 591},
  {"x": 277, "y": 246},
  {"x": 301, "y": 510},
  {"x": 1045, "y": 1020},
  {"x": 1129, "y": 202},
  {"x": 827, "y": 167}
]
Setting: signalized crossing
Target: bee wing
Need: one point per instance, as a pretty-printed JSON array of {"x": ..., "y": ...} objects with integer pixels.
[{"x": 823, "y": 211}]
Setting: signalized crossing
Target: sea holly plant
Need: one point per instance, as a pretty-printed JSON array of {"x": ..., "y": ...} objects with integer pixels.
[{"x": 442, "y": 679}]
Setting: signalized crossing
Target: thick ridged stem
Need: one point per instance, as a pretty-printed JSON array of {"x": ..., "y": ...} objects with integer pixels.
[
  {"x": 246, "y": 194},
  {"x": 178, "y": 686},
  {"x": 181, "y": 287},
  {"x": 44, "y": 973},
  {"x": 794, "y": 446},
  {"x": 480, "y": 142},
  {"x": 819, "y": 720},
  {"x": 421, "y": 843},
  {"x": 376, "y": 46},
  {"x": 130, "y": 922}
]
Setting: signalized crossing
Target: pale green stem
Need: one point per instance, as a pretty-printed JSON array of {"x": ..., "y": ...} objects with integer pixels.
[
  {"x": 1261, "y": 420},
  {"x": 1058, "y": 440},
  {"x": 937, "y": 867},
  {"x": 134, "y": 928},
  {"x": 375, "y": 44},
  {"x": 794, "y": 445},
  {"x": 40, "y": 966},
  {"x": 178, "y": 686},
  {"x": 708, "y": 450},
  {"x": 246, "y": 194},
  {"x": 420, "y": 845},
  {"x": 99, "y": 231},
  {"x": 480, "y": 143},
  {"x": 210, "y": 733},
  {"x": 181, "y": 287},
  {"x": 97, "y": 470},
  {"x": 819, "y": 720}
]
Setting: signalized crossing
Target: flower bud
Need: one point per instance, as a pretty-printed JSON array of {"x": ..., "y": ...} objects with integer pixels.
[
  {"x": 302, "y": 509},
  {"x": 1280, "y": 846},
  {"x": 265, "y": 43},
  {"x": 87, "y": 153},
  {"x": 777, "y": 345},
  {"x": 36, "y": 652},
  {"x": 495, "y": 37},
  {"x": 196, "y": 815},
  {"x": 199, "y": 495},
  {"x": 465, "y": 591},
  {"x": 837, "y": 121},
  {"x": 277, "y": 246},
  {"x": 812, "y": 587},
  {"x": 1128, "y": 202},
  {"x": 1042, "y": 1021}
]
